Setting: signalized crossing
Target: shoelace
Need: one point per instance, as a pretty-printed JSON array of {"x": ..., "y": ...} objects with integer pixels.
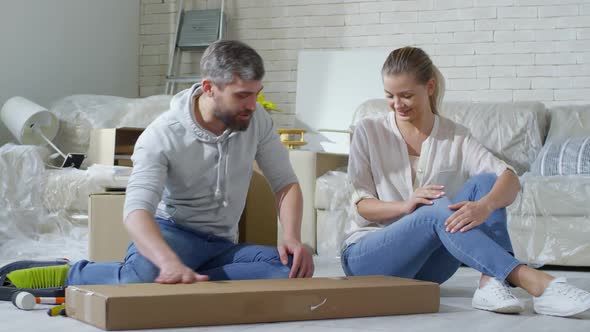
[
  {"x": 570, "y": 291},
  {"x": 500, "y": 290}
]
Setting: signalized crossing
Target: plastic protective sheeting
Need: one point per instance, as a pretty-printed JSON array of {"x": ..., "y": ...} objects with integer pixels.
[
  {"x": 513, "y": 132},
  {"x": 333, "y": 227},
  {"x": 43, "y": 212},
  {"x": 79, "y": 114},
  {"x": 549, "y": 222},
  {"x": 25, "y": 224},
  {"x": 68, "y": 189},
  {"x": 569, "y": 121}
]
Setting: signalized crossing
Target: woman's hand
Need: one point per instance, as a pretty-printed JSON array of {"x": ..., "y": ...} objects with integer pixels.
[
  {"x": 468, "y": 215},
  {"x": 423, "y": 196}
]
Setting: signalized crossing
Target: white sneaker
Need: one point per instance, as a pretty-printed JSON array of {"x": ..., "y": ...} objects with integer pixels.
[
  {"x": 561, "y": 299},
  {"x": 496, "y": 296}
]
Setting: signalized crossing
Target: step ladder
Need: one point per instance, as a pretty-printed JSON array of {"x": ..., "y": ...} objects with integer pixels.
[{"x": 195, "y": 31}]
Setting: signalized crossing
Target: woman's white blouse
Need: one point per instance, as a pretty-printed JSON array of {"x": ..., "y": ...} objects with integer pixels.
[{"x": 379, "y": 164}]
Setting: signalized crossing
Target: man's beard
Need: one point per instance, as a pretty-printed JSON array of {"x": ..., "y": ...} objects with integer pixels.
[{"x": 233, "y": 122}]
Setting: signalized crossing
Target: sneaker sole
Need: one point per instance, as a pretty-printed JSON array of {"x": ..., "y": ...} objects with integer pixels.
[
  {"x": 512, "y": 309},
  {"x": 567, "y": 314}
]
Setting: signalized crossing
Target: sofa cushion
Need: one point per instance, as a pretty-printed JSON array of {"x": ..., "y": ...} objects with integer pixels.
[
  {"x": 569, "y": 121},
  {"x": 513, "y": 132}
]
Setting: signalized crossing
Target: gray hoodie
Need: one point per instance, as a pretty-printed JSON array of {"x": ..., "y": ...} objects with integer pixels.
[{"x": 185, "y": 173}]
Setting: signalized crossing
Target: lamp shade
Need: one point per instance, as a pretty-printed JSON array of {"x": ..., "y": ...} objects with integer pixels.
[{"x": 20, "y": 115}]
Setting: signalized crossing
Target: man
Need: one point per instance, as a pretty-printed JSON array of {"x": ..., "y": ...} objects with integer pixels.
[{"x": 192, "y": 169}]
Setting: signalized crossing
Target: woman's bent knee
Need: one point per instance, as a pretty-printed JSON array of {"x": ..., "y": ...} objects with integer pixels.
[{"x": 438, "y": 212}]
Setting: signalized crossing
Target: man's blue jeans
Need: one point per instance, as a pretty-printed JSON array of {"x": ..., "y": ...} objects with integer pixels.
[
  {"x": 417, "y": 246},
  {"x": 210, "y": 255}
]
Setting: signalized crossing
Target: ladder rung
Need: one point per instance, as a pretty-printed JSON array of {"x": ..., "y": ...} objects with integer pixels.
[
  {"x": 195, "y": 31},
  {"x": 194, "y": 48},
  {"x": 183, "y": 79},
  {"x": 199, "y": 28}
]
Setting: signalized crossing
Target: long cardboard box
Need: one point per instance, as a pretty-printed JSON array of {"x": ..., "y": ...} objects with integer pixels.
[{"x": 139, "y": 306}]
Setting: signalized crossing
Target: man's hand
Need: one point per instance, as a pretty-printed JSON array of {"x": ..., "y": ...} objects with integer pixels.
[
  {"x": 302, "y": 262},
  {"x": 468, "y": 215},
  {"x": 423, "y": 196},
  {"x": 176, "y": 272}
]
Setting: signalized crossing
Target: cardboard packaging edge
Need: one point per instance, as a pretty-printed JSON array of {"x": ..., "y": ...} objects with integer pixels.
[{"x": 116, "y": 312}]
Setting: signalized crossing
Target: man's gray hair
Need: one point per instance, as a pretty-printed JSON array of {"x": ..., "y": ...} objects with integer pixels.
[{"x": 225, "y": 58}]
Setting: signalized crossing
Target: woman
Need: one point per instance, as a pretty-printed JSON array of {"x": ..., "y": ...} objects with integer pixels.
[{"x": 431, "y": 197}]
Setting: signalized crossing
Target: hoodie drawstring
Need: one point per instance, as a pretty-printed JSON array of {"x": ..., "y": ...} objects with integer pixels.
[
  {"x": 225, "y": 190},
  {"x": 222, "y": 166}
]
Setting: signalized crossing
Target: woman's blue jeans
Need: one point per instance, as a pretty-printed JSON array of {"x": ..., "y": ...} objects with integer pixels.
[
  {"x": 417, "y": 246},
  {"x": 210, "y": 255}
]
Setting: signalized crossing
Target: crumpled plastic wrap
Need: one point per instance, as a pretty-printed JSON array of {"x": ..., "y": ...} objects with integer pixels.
[
  {"x": 78, "y": 114},
  {"x": 67, "y": 190},
  {"x": 27, "y": 229},
  {"x": 43, "y": 212},
  {"x": 549, "y": 222},
  {"x": 333, "y": 223}
]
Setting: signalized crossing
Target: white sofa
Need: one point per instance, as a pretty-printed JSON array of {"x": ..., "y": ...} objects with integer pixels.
[{"x": 549, "y": 222}]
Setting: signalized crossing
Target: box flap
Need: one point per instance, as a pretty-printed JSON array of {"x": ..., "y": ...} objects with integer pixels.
[{"x": 245, "y": 286}]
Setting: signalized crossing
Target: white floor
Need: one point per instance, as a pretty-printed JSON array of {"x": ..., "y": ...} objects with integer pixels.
[{"x": 456, "y": 314}]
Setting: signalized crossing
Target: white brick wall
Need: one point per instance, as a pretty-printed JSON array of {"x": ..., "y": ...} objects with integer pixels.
[{"x": 488, "y": 50}]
